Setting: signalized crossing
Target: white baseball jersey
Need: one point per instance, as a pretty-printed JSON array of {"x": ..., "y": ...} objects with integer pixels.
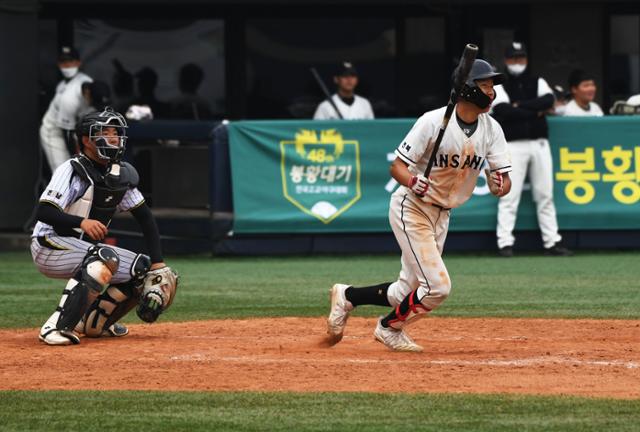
[
  {"x": 572, "y": 109},
  {"x": 360, "y": 109},
  {"x": 460, "y": 159},
  {"x": 68, "y": 103},
  {"x": 65, "y": 188}
]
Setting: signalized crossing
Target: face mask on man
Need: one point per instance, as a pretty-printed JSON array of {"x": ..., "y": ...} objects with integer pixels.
[
  {"x": 516, "y": 69},
  {"x": 69, "y": 72}
]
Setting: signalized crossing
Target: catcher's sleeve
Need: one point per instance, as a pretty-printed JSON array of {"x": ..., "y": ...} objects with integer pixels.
[{"x": 150, "y": 230}]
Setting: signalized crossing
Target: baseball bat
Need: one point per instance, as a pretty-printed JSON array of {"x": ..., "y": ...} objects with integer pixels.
[
  {"x": 460, "y": 75},
  {"x": 325, "y": 90}
]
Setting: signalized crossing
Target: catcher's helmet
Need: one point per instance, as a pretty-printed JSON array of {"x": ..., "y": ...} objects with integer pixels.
[
  {"x": 480, "y": 70},
  {"x": 92, "y": 126}
]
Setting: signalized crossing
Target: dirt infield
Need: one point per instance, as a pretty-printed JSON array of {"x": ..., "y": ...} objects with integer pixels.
[{"x": 535, "y": 356}]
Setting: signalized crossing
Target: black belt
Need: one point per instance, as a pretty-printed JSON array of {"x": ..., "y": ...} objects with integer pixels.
[
  {"x": 44, "y": 242},
  {"x": 440, "y": 207}
]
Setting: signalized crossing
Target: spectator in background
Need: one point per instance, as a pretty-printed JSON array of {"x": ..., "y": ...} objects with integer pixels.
[
  {"x": 520, "y": 107},
  {"x": 123, "y": 87},
  {"x": 147, "y": 81},
  {"x": 96, "y": 96},
  {"x": 189, "y": 105},
  {"x": 583, "y": 91},
  {"x": 350, "y": 105},
  {"x": 59, "y": 122}
]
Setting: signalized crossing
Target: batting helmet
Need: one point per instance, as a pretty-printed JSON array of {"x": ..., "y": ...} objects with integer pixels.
[
  {"x": 480, "y": 70},
  {"x": 93, "y": 125}
]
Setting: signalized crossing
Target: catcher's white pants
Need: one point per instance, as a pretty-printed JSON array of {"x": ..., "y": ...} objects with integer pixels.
[
  {"x": 54, "y": 145},
  {"x": 533, "y": 156},
  {"x": 63, "y": 256},
  {"x": 420, "y": 229}
]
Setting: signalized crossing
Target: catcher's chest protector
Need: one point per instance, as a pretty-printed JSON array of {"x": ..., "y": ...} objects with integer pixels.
[{"x": 104, "y": 193}]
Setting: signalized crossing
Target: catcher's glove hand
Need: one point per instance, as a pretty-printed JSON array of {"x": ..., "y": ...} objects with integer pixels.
[
  {"x": 157, "y": 293},
  {"x": 494, "y": 181}
]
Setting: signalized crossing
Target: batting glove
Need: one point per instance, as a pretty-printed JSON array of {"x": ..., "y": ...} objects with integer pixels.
[
  {"x": 494, "y": 181},
  {"x": 419, "y": 184}
]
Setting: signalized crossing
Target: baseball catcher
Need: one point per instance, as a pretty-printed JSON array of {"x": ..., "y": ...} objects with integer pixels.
[{"x": 75, "y": 210}]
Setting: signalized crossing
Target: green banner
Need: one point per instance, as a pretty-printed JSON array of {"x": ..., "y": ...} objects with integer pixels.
[{"x": 333, "y": 176}]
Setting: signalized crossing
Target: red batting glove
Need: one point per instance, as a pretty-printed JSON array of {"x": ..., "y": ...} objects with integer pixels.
[{"x": 419, "y": 184}]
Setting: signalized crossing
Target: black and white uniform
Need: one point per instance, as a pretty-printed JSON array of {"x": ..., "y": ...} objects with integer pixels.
[
  {"x": 58, "y": 253},
  {"x": 525, "y": 128},
  {"x": 66, "y": 108},
  {"x": 359, "y": 109}
]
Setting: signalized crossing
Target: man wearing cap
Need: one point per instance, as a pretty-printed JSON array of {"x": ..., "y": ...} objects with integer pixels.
[
  {"x": 350, "y": 105},
  {"x": 583, "y": 91},
  {"x": 65, "y": 109},
  {"x": 520, "y": 107}
]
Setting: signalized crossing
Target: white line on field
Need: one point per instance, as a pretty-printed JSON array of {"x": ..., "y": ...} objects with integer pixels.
[{"x": 487, "y": 362}]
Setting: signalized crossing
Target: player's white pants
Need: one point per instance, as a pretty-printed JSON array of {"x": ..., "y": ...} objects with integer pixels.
[
  {"x": 420, "y": 229},
  {"x": 533, "y": 156},
  {"x": 54, "y": 145},
  {"x": 63, "y": 256}
]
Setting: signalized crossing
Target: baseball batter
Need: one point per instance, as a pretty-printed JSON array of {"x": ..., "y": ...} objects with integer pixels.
[
  {"x": 420, "y": 209},
  {"x": 74, "y": 213},
  {"x": 62, "y": 115}
]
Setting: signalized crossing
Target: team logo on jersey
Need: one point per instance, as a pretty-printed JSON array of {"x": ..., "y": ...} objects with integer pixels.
[
  {"x": 52, "y": 193},
  {"x": 321, "y": 173}
]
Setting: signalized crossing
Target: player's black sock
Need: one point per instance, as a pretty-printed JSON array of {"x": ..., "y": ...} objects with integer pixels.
[
  {"x": 401, "y": 312},
  {"x": 372, "y": 295}
]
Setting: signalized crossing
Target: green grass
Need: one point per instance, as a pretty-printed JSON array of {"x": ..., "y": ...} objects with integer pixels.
[
  {"x": 585, "y": 286},
  {"x": 602, "y": 285},
  {"x": 85, "y": 411}
]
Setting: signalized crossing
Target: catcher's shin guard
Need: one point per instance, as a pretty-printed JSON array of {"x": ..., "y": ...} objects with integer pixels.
[
  {"x": 108, "y": 308},
  {"x": 116, "y": 301},
  {"x": 81, "y": 290},
  {"x": 409, "y": 310}
]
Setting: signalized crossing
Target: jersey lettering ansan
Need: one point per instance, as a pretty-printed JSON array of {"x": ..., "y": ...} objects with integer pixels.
[
  {"x": 68, "y": 104},
  {"x": 360, "y": 109},
  {"x": 460, "y": 159},
  {"x": 67, "y": 189}
]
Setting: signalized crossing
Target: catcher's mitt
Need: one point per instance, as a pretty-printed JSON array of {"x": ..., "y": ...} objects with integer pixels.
[{"x": 158, "y": 292}]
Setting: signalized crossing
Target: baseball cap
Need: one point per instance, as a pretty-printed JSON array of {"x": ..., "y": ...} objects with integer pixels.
[
  {"x": 68, "y": 53},
  {"x": 346, "y": 68},
  {"x": 515, "y": 49}
]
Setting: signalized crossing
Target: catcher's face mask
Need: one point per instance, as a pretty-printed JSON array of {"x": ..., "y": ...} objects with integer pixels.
[{"x": 109, "y": 137}]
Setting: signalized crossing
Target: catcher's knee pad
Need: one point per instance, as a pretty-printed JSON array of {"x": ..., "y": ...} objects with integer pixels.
[
  {"x": 98, "y": 267},
  {"x": 108, "y": 308},
  {"x": 140, "y": 266}
]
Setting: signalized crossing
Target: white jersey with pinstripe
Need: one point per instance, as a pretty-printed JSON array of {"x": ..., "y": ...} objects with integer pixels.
[
  {"x": 61, "y": 257},
  {"x": 65, "y": 188}
]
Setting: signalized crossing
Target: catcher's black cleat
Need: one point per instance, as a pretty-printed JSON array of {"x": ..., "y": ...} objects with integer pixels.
[{"x": 116, "y": 330}]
